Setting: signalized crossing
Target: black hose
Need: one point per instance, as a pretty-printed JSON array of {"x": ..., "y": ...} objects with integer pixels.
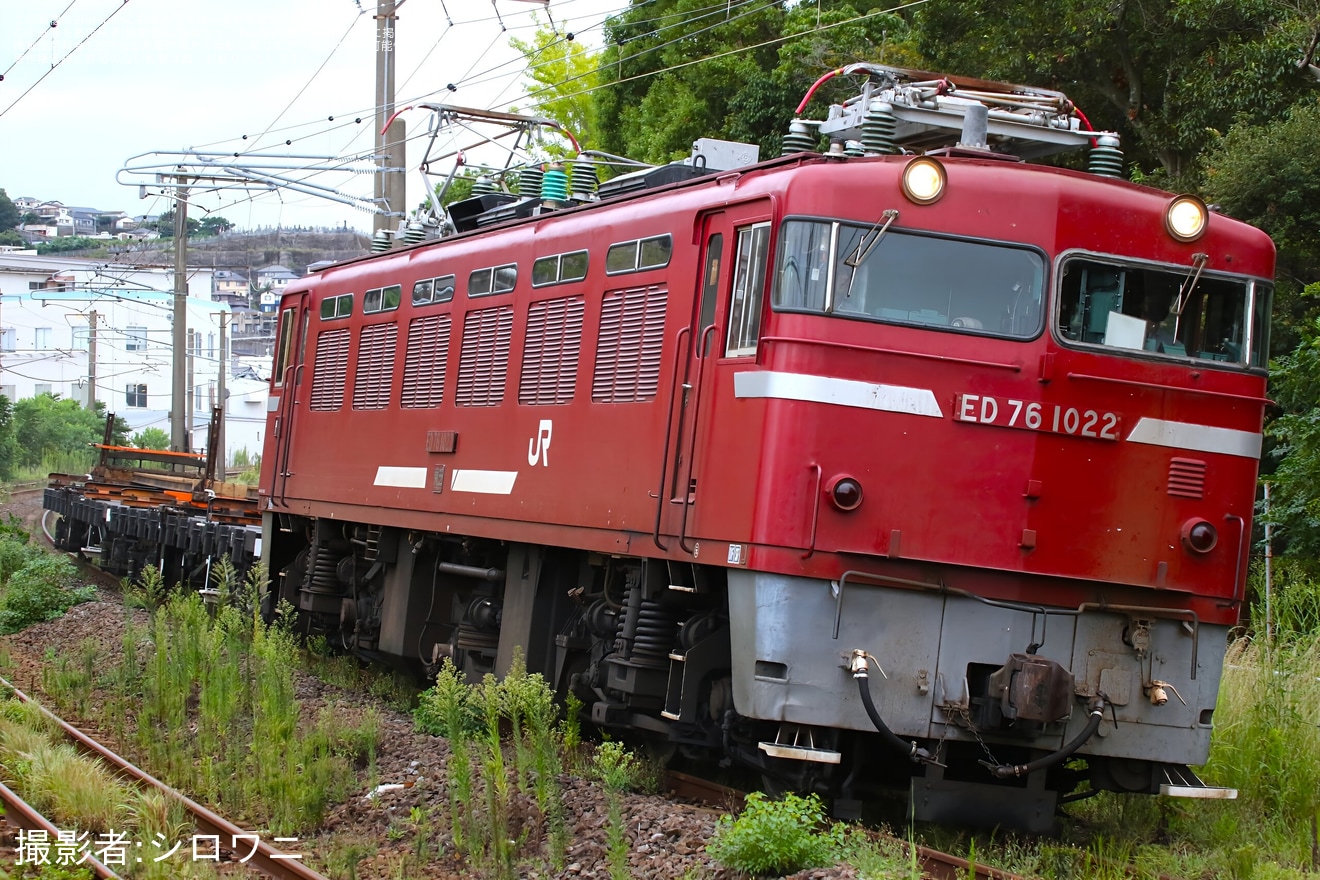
[
  {"x": 1096, "y": 707},
  {"x": 914, "y": 752}
]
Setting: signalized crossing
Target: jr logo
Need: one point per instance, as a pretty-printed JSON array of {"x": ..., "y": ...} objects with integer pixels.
[{"x": 538, "y": 448}]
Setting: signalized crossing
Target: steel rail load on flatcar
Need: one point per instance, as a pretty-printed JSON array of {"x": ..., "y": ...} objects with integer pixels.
[{"x": 906, "y": 462}]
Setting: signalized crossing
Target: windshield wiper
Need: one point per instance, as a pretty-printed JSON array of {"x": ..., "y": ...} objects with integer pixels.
[
  {"x": 864, "y": 247},
  {"x": 867, "y": 243},
  {"x": 1185, "y": 292}
]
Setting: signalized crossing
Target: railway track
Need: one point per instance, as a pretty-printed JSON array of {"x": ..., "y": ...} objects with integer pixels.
[
  {"x": 18, "y": 490},
  {"x": 265, "y": 858},
  {"x": 23, "y": 815}
]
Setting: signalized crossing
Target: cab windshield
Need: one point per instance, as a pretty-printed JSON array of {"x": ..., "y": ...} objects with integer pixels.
[
  {"x": 897, "y": 277},
  {"x": 1175, "y": 312}
]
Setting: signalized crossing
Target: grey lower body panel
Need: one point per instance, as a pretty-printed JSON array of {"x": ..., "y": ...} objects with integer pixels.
[{"x": 788, "y": 666}]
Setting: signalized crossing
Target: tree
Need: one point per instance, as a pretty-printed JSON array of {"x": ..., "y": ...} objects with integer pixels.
[
  {"x": 165, "y": 225},
  {"x": 8, "y": 443},
  {"x": 655, "y": 102},
  {"x": 48, "y": 425},
  {"x": 561, "y": 75},
  {"x": 151, "y": 438},
  {"x": 677, "y": 70},
  {"x": 1167, "y": 75},
  {"x": 9, "y": 213},
  {"x": 10, "y": 237},
  {"x": 211, "y": 224},
  {"x": 1294, "y": 454}
]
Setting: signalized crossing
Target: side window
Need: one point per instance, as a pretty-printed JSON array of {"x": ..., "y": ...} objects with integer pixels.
[
  {"x": 748, "y": 283},
  {"x": 422, "y": 292},
  {"x": 710, "y": 282},
  {"x": 638, "y": 255},
  {"x": 337, "y": 306},
  {"x": 382, "y": 299},
  {"x": 505, "y": 279},
  {"x": 433, "y": 290},
  {"x": 287, "y": 324},
  {"x": 655, "y": 252},
  {"x": 559, "y": 269}
]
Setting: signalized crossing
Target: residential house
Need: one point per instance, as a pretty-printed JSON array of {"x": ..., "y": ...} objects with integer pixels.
[
  {"x": 56, "y": 311},
  {"x": 271, "y": 281},
  {"x": 230, "y": 287}
]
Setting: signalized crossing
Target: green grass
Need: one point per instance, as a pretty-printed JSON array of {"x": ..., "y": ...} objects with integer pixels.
[
  {"x": 35, "y": 586},
  {"x": 204, "y": 697}
]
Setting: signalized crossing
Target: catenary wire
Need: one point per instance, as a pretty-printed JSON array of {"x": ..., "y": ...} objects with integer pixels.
[
  {"x": 29, "y": 89},
  {"x": 50, "y": 27}
]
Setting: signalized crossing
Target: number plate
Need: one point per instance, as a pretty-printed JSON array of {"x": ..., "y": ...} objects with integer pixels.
[{"x": 1029, "y": 415}]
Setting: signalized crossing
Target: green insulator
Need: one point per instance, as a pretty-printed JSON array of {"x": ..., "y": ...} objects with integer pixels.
[
  {"x": 799, "y": 139},
  {"x": 1106, "y": 158},
  {"x": 878, "y": 130},
  {"x": 483, "y": 185},
  {"x": 584, "y": 179},
  {"x": 414, "y": 232},
  {"x": 381, "y": 241},
  {"x": 853, "y": 149},
  {"x": 554, "y": 185},
  {"x": 529, "y": 181}
]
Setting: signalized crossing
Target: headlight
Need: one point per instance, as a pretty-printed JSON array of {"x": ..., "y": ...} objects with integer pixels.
[
  {"x": 1185, "y": 218},
  {"x": 923, "y": 180}
]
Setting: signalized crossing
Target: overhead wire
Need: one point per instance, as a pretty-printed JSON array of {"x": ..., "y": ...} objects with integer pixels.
[
  {"x": 29, "y": 89},
  {"x": 469, "y": 79},
  {"x": 309, "y": 82},
  {"x": 54, "y": 22}
]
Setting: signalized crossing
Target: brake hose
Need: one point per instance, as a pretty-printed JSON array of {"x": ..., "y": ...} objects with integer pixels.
[
  {"x": 1096, "y": 706},
  {"x": 915, "y": 753}
]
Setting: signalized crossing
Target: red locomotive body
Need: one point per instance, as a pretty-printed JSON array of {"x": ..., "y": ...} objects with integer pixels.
[{"x": 709, "y": 452}]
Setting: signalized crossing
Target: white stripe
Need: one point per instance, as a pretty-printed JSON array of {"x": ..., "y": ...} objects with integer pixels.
[
  {"x": 483, "y": 482},
  {"x": 1196, "y": 438},
  {"x": 840, "y": 392},
  {"x": 401, "y": 477}
]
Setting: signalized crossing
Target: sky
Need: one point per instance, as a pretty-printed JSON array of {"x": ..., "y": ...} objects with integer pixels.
[{"x": 135, "y": 77}]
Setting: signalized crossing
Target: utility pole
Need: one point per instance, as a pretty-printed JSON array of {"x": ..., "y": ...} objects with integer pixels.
[
  {"x": 91, "y": 359},
  {"x": 390, "y": 145},
  {"x": 178, "y": 399}
]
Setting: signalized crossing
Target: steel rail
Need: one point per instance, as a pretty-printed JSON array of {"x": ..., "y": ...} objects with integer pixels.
[
  {"x": 19, "y": 812},
  {"x": 266, "y": 859}
]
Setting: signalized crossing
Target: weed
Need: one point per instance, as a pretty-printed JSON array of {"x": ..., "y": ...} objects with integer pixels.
[
  {"x": 15, "y": 552},
  {"x": 148, "y": 591},
  {"x": 499, "y": 848},
  {"x": 446, "y": 710},
  {"x": 775, "y": 837},
  {"x": 43, "y": 589},
  {"x": 342, "y": 861},
  {"x": 616, "y": 768}
]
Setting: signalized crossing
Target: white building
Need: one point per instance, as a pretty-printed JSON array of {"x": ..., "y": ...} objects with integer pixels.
[{"x": 55, "y": 311}]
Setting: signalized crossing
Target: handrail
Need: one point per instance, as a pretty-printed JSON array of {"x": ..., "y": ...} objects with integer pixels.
[
  {"x": 1264, "y": 401},
  {"x": 1017, "y": 368},
  {"x": 692, "y": 444},
  {"x": 669, "y": 430}
]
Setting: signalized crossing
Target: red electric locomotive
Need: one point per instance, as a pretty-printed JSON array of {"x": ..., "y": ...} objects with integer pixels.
[{"x": 906, "y": 461}]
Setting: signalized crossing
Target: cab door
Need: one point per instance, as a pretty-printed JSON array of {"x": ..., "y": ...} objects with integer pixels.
[
  {"x": 723, "y": 337},
  {"x": 286, "y": 382}
]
